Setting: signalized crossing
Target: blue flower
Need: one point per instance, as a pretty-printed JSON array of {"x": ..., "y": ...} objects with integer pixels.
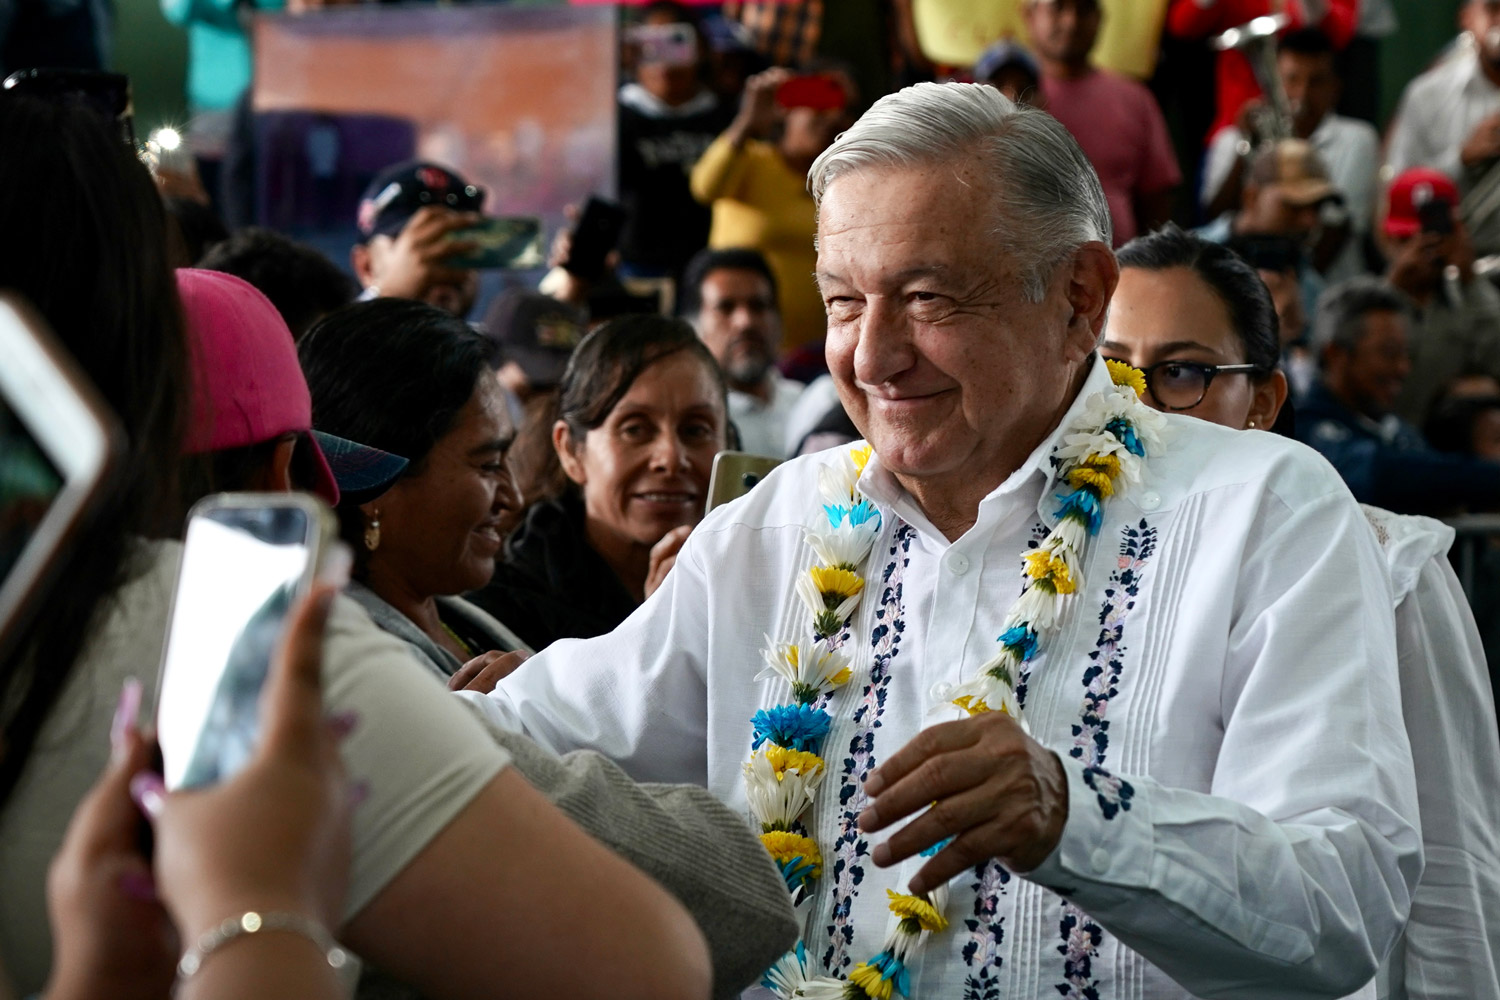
[
  {"x": 796, "y": 727},
  {"x": 935, "y": 848},
  {"x": 892, "y": 967},
  {"x": 856, "y": 515},
  {"x": 1083, "y": 505},
  {"x": 1124, "y": 431},
  {"x": 1022, "y": 639}
]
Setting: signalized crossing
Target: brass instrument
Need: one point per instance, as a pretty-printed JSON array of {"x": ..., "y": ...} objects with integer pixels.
[{"x": 1257, "y": 40}]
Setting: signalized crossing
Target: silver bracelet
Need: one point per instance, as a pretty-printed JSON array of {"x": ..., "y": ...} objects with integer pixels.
[{"x": 255, "y": 922}]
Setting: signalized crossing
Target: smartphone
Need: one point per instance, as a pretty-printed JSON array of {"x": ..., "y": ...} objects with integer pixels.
[
  {"x": 735, "y": 473},
  {"x": 60, "y": 450},
  {"x": 597, "y": 233},
  {"x": 246, "y": 559},
  {"x": 673, "y": 44},
  {"x": 513, "y": 243},
  {"x": 819, "y": 91},
  {"x": 1436, "y": 216}
]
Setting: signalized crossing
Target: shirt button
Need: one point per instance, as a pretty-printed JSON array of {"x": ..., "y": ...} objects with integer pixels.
[
  {"x": 940, "y": 692},
  {"x": 1150, "y": 501},
  {"x": 958, "y": 564},
  {"x": 1099, "y": 861}
]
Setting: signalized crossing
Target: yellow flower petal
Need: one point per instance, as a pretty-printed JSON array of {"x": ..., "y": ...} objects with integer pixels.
[
  {"x": 909, "y": 907},
  {"x": 1122, "y": 374},
  {"x": 868, "y": 978},
  {"x": 861, "y": 457},
  {"x": 1086, "y": 475},
  {"x": 785, "y": 846},
  {"x": 840, "y": 583},
  {"x": 970, "y": 705},
  {"x": 783, "y": 760}
]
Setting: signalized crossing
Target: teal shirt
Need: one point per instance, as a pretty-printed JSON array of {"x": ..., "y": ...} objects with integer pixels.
[{"x": 219, "y": 60}]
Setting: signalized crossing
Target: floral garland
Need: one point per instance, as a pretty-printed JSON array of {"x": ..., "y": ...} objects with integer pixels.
[{"x": 1097, "y": 459}]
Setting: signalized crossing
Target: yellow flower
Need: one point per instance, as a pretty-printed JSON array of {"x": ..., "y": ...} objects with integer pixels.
[
  {"x": 1122, "y": 374},
  {"x": 836, "y": 585},
  {"x": 972, "y": 705},
  {"x": 783, "y": 760},
  {"x": 1043, "y": 565},
  {"x": 1087, "y": 475},
  {"x": 869, "y": 979},
  {"x": 916, "y": 908},
  {"x": 785, "y": 846},
  {"x": 861, "y": 456}
]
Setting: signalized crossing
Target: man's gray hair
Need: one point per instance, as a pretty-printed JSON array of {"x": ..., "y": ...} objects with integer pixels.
[
  {"x": 1340, "y": 319},
  {"x": 1046, "y": 193}
]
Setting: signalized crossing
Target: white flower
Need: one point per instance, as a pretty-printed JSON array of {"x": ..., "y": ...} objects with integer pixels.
[
  {"x": 810, "y": 667},
  {"x": 808, "y": 591},
  {"x": 776, "y": 800},
  {"x": 1070, "y": 534},
  {"x": 993, "y": 692},
  {"x": 789, "y": 975},
  {"x": 1037, "y": 607},
  {"x": 846, "y": 545},
  {"x": 837, "y": 479},
  {"x": 822, "y": 988}
]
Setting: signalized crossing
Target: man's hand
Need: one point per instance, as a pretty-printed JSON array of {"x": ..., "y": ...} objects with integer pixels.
[
  {"x": 1417, "y": 265},
  {"x": 994, "y": 789},
  {"x": 415, "y": 261},
  {"x": 1483, "y": 144},
  {"x": 664, "y": 556},
  {"x": 758, "y": 111},
  {"x": 481, "y": 673}
]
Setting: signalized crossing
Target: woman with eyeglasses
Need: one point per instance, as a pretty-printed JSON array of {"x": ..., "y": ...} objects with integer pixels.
[{"x": 1200, "y": 323}]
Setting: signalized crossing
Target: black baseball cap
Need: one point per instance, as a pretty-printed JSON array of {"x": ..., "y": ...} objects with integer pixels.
[
  {"x": 397, "y": 192},
  {"x": 535, "y": 331}
]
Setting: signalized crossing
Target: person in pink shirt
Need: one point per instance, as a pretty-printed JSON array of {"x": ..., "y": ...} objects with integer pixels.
[{"x": 1114, "y": 118}]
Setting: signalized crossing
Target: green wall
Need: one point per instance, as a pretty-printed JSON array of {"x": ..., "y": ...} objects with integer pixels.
[
  {"x": 154, "y": 53},
  {"x": 1426, "y": 26}
]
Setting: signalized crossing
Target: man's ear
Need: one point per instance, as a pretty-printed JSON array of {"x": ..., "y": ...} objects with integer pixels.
[
  {"x": 1090, "y": 287},
  {"x": 1270, "y": 396},
  {"x": 359, "y": 260},
  {"x": 562, "y": 443}
]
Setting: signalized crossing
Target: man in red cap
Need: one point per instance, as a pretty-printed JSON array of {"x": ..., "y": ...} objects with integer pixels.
[{"x": 1456, "y": 320}]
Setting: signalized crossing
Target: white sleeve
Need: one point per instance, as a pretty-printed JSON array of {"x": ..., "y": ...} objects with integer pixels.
[
  {"x": 1219, "y": 162},
  {"x": 1452, "y": 940},
  {"x": 634, "y": 695},
  {"x": 1292, "y": 876},
  {"x": 1411, "y": 145},
  {"x": 1361, "y": 187}
]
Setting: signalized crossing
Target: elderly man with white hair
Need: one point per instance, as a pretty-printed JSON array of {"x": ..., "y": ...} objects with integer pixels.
[{"x": 1181, "y": 768}]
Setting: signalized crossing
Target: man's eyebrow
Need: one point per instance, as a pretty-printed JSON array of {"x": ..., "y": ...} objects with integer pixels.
[
  {"x": 494, "y": 444},
  {"x": 895, "y": 277}
]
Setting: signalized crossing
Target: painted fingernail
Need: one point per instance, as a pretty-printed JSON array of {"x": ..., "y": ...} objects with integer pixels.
[
  {"x": 148, "y": 792},
  {"x": 881, "y": 855},
  {"x": 138, "y": 886},
  {"x": 343, "y": 723},
  {"x": 359, "y": 791},
  {"x": 126, "y": 711}
]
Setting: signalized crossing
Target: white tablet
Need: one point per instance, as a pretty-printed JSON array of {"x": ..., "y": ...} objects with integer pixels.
[{"x": 59, "y": 447}]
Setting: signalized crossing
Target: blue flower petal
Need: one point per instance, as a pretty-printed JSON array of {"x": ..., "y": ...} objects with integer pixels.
[{"x": 796, "y": 727}]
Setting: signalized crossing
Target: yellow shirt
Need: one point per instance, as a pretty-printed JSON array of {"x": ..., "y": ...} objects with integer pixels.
[
  {"x": 758, "y": 202},
  {"x": 955, "y": 32}
]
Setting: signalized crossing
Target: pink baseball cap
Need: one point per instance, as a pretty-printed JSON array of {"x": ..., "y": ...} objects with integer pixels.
[{"x": 247, "y": 384}]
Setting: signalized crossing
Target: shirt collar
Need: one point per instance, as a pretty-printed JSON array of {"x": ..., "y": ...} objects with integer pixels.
[
  {"x": 880, "y": 485},
  {"x": 639, "y": 99}
]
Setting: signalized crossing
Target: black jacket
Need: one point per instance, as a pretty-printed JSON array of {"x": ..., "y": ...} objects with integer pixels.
[{"x": 550, "y": 584}]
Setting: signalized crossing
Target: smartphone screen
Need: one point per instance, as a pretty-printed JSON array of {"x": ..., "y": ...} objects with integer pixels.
[
  {"x": 243, "y": 565},
  {"x": 514, "y": 243}
]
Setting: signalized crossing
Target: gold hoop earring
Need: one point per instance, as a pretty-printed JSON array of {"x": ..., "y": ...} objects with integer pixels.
[{"x": 372, "y": 533}]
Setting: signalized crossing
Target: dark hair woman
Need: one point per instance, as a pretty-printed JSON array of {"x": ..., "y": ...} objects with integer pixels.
[
  {"x": 1199, "y": 322},
  {"x": 414, "y": 381},
  {"x": 639, "y": 416}
]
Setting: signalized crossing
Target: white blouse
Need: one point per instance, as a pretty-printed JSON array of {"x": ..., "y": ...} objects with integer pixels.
[{"x": 1223, "y": 696}]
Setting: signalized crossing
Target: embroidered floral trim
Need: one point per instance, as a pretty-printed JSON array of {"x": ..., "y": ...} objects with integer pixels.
[{"x": 986, "y": 932}]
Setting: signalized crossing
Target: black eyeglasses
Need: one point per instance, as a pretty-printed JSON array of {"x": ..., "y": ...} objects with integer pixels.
[{"x": 1181, "y": 385}]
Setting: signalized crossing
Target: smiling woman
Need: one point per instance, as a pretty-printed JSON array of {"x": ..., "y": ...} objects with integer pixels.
[
  {"x": 413, "y": 381},
  {"x": 641, "y": 413}
]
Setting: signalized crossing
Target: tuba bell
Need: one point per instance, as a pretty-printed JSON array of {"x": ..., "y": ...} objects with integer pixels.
[{"x": 1257, "y": 40}]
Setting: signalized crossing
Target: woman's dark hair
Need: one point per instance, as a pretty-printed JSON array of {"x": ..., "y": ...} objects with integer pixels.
[
  {"x": 86, "y": 245},
  {"x": 601, "y": 371},
  {"x": 392, "y": 374},
  {"x": 1252, "y": 314}
]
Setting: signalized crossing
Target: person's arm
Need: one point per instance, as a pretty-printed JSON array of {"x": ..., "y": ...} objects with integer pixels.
[
  {"x": 1223, "y": 173},
  {"x": 1293, "y": 875},
  {"x": 650, "y": 671},
  {"x": 721, "y": 170},
  {"x": 1449, "y": 952}
]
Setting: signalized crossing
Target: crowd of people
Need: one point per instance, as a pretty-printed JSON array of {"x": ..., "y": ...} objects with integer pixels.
[{"x": 555, "y": 727}]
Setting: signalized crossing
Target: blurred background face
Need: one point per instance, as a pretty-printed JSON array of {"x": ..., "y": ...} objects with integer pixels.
[
  {"x": 1173, "y": 315},
  {"x": 1369, "y": 376},
  {"x": 806, "y": 132},
  {"x": 671, "y": 77},
  {"x": 739, "y": 324},
  {"x": 1267, "y": 210},
  {"x": 1063, "y": 30},
  {"x": 1312, "y": 88},
  {"x": 1286, "y": 295},
  {"x": 645, "y": 470},
  {"x": 441, "y": 529},
  {"x": 1482, "y": 19}
]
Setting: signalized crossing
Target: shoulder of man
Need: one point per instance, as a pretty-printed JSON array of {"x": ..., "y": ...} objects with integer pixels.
[{"x": 1201, "y": 457}]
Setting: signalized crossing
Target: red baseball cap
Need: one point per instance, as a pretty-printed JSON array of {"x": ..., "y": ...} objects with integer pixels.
[
  {"x": 1409, "y": 192},
  {"x": 247, "y": 384}
]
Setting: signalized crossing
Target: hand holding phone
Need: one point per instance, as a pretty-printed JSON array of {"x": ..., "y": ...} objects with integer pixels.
[
  {"x": 735, "y": 473},
  {"x": 513, "y": 243},
  {"x": 593, "y": 238}
]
